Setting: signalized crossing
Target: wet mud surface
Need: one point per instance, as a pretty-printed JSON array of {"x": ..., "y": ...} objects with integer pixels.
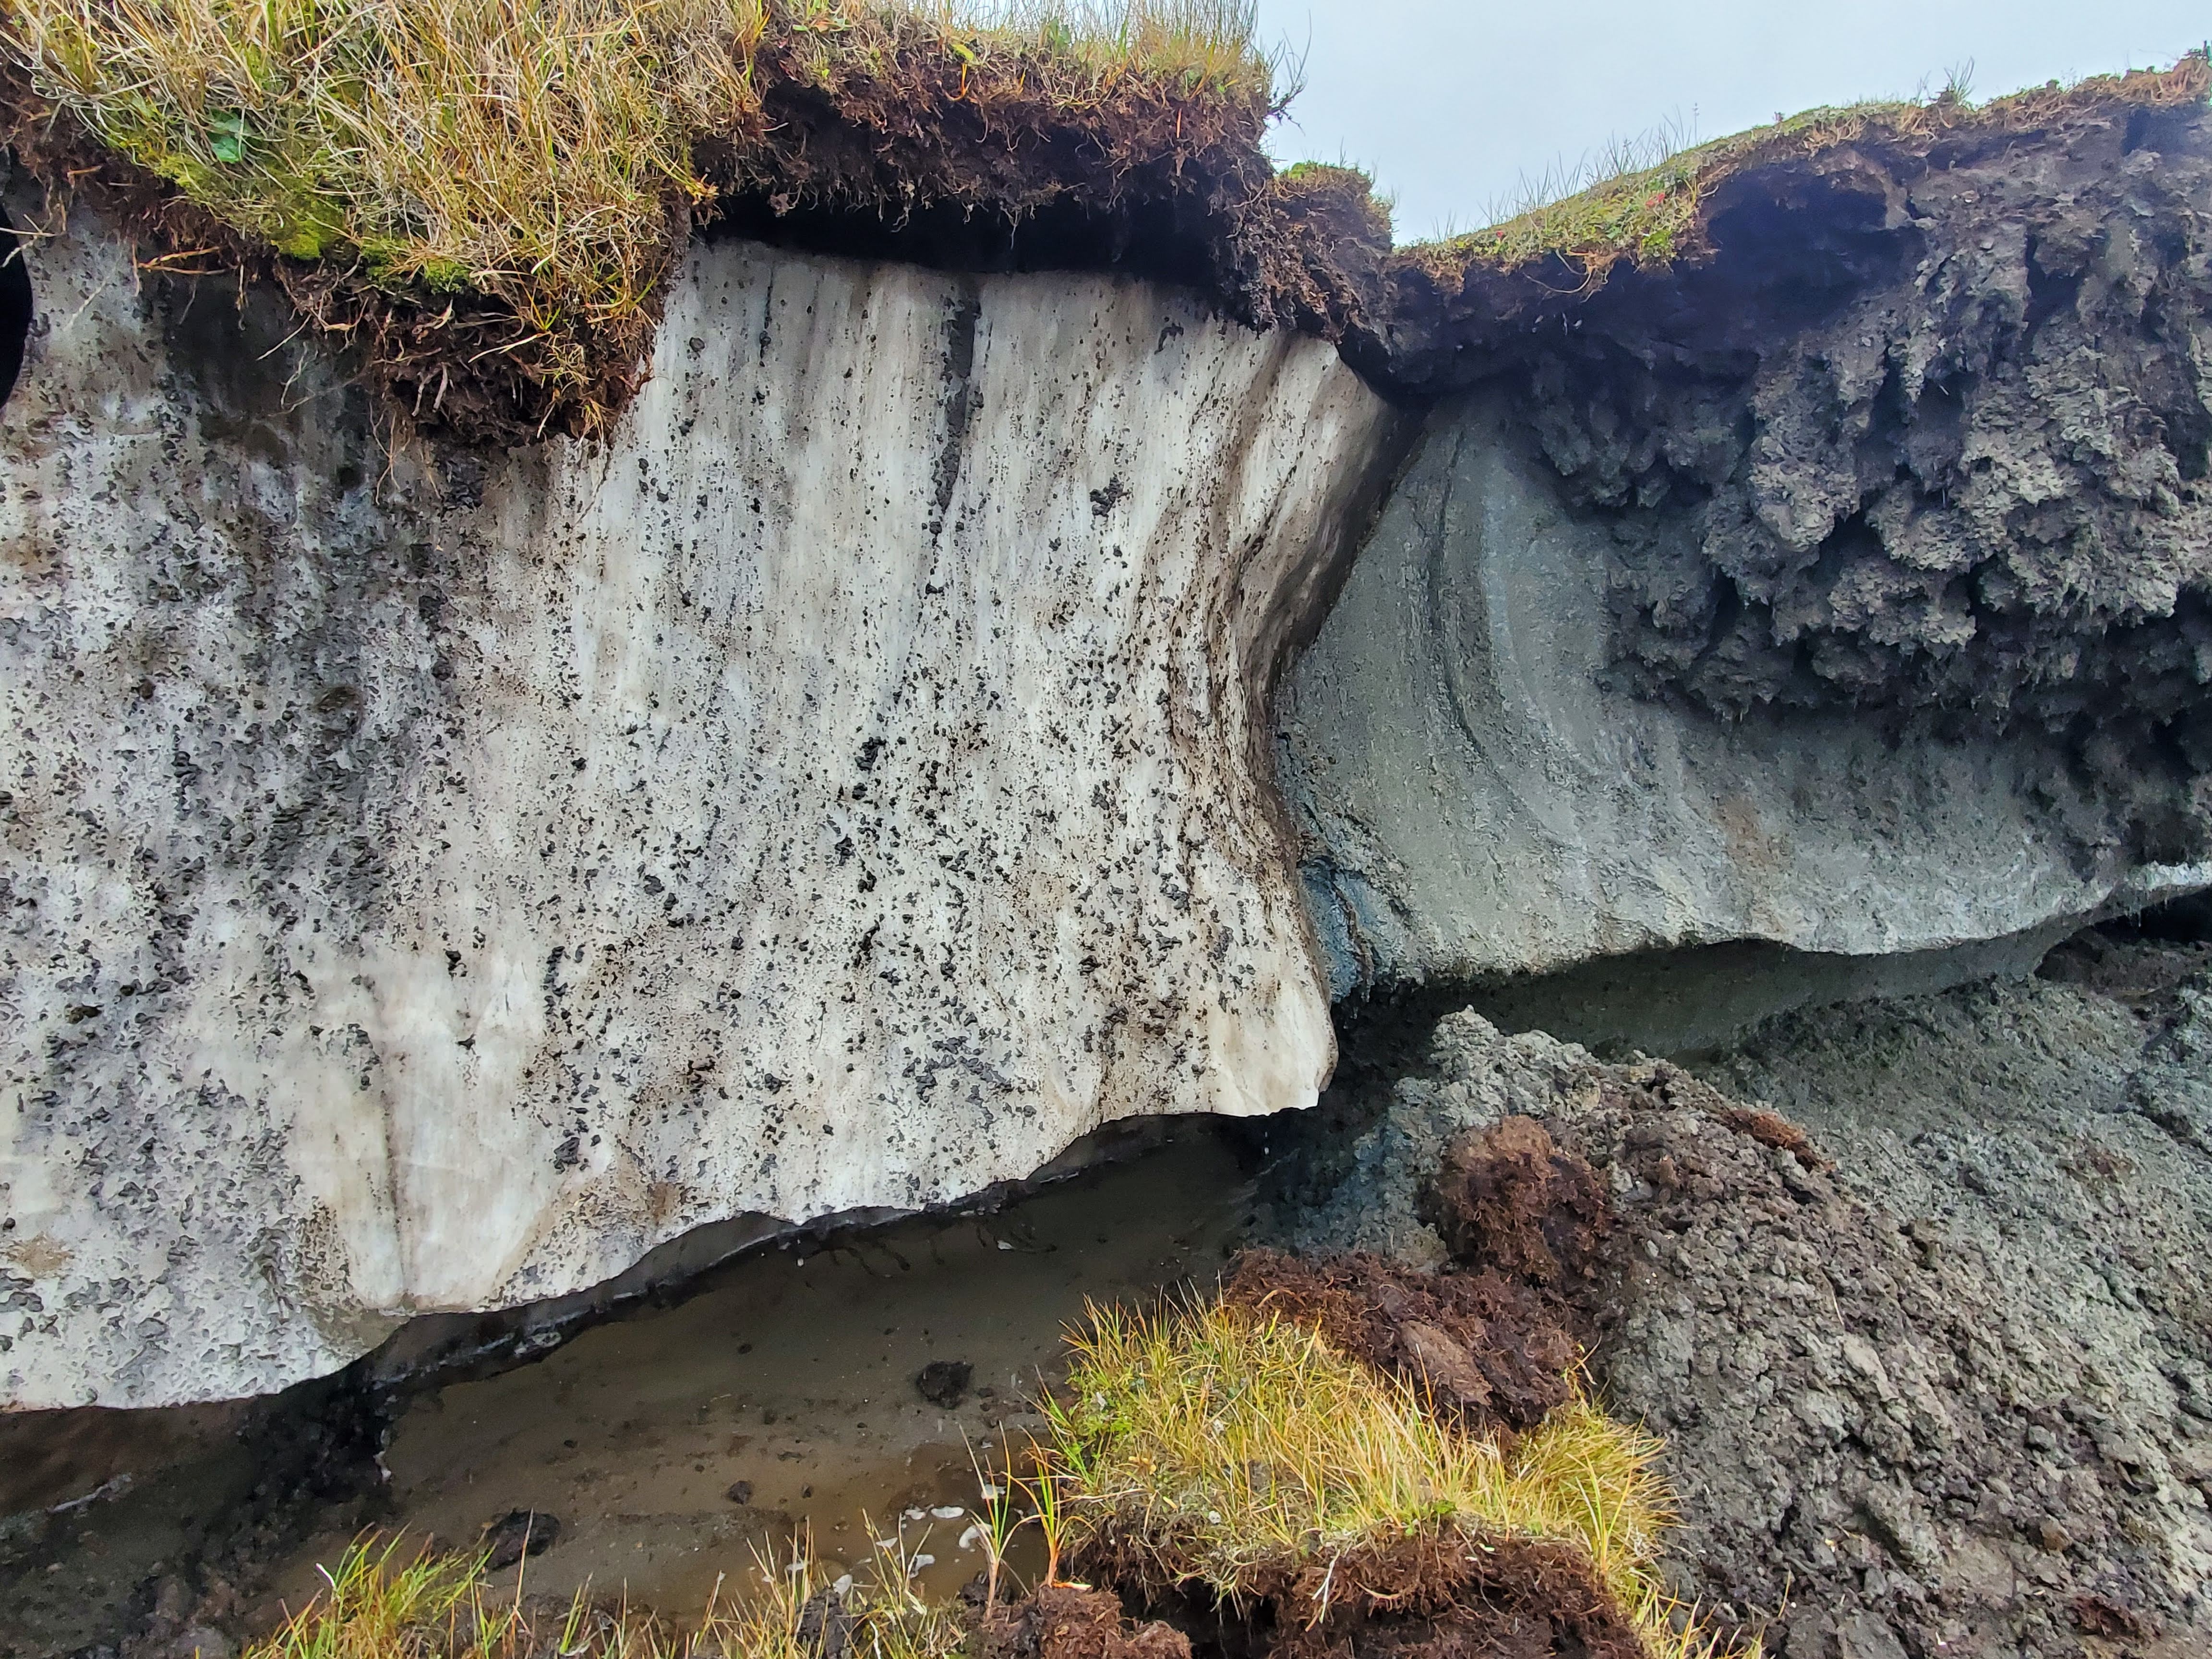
[
  {"x": 783, "y": 1392},
  {"x": 800, "y": 1377}
]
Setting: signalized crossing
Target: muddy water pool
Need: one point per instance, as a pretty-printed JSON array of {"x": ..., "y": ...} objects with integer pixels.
[{"x": 778, "y": 1392}]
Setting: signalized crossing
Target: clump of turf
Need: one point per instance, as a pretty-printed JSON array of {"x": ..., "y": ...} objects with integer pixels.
[
  {"x": 1219, "y": 1450},
  {"x": 504, "y": 187}
]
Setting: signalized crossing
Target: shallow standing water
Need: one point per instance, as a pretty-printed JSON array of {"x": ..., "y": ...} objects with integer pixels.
[{"x": 790, "y": 1369}]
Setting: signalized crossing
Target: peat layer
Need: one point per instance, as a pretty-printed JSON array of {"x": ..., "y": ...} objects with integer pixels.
[{"x": 890, "y": 135}]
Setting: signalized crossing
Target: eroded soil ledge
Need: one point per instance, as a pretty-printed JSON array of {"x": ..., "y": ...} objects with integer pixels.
[{"x": 977, "y": 152}]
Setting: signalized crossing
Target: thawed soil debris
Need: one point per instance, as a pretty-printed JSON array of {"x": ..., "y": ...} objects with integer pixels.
[
  {"x": 1508, "y": 1197},
  {"x": 1949, "y": 1394},
  {"x": 1492, "y": 1344}
]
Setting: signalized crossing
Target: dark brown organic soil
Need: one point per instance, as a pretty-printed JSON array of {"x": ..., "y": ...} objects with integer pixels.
[
  {"x": 1531, "y": 1601},
  {"x": 1435, "y": 1592},
  {"x": 1491, "y": 1353},
  {"x": 1065, "y": 1621},
  {"x": 462, "y": 365},
  {"x": 909, "y": 153},
  {"x": 1491, "y": 1345},
  {"x": 1952, "y": 1396},
  {"x": 1507, "y": 1198}
]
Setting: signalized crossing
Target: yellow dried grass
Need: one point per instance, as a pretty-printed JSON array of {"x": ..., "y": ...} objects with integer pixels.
[
  {"x": 380, "y": 1602},
  {"x": 1249, "y": 1445}
]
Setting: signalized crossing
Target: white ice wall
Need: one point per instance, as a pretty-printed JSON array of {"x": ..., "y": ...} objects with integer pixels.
[{"x": 430, "y": 884}]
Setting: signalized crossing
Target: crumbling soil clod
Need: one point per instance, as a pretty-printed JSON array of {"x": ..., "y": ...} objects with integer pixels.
[{"x": 1508, "y": 1197}]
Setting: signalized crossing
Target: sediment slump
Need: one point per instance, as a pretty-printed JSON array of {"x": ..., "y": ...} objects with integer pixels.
[{"x": 437, "y": 878}]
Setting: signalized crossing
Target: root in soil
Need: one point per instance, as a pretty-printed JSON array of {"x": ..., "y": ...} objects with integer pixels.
[{"x": 1528, "y": 1602}]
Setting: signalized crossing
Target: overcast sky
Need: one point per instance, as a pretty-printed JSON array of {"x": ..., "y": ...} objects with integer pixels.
[{"x": 1450, "y": 104}]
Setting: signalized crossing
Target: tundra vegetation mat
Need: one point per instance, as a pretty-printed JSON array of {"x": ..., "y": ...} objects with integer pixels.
[
  {"x": 488, "y": 199},
  {"x": 1653, "y": 214},
  {"x": 485, "y": 202}
]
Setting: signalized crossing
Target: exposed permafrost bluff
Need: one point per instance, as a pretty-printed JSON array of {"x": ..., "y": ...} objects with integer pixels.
[
  {"x": 834, "y": 790},
  {"x": 936, "y": 603}
]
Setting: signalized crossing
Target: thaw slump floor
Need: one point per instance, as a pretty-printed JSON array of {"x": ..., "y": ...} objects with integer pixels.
[{"x": 796, "y": 1374}]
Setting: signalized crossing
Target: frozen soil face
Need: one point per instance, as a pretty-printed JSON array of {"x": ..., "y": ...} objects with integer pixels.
[
  {"x": 1970, "y": 479},
  {"x": 1949, "y": 1395}
]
